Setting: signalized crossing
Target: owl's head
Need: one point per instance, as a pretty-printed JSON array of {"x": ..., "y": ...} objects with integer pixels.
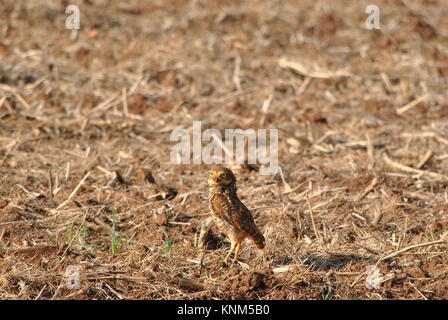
[{"x": 221, "y": 177}]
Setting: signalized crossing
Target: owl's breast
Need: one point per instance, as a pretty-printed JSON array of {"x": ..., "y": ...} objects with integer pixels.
[{"x": 220, "y": 208}]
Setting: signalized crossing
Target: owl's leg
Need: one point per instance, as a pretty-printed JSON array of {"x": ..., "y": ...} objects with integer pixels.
[
  {"x": 232, "y": 247},
  {"x": 237, "y": 251}
]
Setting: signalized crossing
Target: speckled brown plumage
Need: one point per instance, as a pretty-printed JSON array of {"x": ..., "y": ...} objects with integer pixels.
[{"x": 231, "y": 215}]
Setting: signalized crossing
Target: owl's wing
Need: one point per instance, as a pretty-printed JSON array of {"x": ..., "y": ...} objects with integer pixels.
[{"x": 234, "y": 212}]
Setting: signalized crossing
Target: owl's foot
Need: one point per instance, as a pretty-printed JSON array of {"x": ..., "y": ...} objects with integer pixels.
[
  {"x": 235, "y": 246},
  {"x": 226, "y": 264}
]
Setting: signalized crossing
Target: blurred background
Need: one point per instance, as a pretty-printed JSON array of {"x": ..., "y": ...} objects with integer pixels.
[{"x": 85, "y": 119}]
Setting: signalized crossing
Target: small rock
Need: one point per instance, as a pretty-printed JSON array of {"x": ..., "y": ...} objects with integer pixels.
[
  {"x": 444, "y": 237},
  {"x": 160, "y": 220},
  {"x": 3, "y": 203}
]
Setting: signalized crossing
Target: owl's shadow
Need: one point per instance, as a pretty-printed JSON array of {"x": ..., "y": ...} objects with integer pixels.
[
  {"x": 215, "y": 240},
  {"x": 320, "y": 263}
]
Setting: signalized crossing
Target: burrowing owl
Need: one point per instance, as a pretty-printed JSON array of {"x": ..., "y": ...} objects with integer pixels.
[{"x": 231, "y": 215}]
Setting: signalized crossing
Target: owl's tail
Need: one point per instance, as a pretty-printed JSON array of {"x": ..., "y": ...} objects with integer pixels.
[{"x": 259, "y": 239}]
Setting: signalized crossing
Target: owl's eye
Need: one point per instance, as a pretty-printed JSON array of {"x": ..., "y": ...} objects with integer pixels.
[
  {"x": 211, "y": 174},
  {"x": 223, "y": 175}
]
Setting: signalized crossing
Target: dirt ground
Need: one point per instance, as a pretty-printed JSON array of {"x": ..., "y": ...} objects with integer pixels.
[{"x": 85, "y": 171}]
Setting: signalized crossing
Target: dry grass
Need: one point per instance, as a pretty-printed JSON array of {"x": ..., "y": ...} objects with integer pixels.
[{"x": 363, "y": 146}]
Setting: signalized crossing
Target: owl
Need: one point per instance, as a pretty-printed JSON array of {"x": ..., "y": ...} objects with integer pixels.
[{"x": 231, "y": 215}]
